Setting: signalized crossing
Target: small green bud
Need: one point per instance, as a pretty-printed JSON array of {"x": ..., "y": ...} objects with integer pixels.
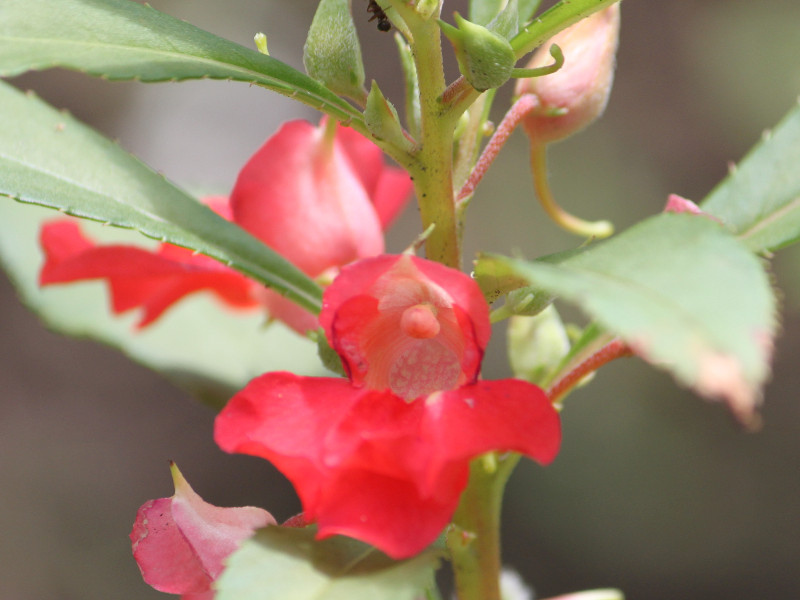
[
  {"x": 485, "y": 58},
  {"x": 536, "y": 345},
  {"x": 261, "y": 43},
  {"x": 381, "y": 119},
  {"x": 332, "y": 54}
]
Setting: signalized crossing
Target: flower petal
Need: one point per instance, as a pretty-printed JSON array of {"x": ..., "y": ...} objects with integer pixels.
[
  {"x": 364, "y": 317},
  {"x": 165, "y": 558},
  {"x": 505, "y": 415},
  {"x": 388, "y": 187},
  {"x": 180, "y": 542},
  {"x": 300, "y": 195},
  {"x": 137, "y": 277},
  {"x": 376, "y": 467},
  {"x": 386, "y": 512},
  {"x": 286, "y": 418},
  {"x": 213, "y": 532}
]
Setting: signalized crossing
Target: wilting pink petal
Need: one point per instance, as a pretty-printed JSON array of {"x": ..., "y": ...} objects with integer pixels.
[
  {"x": 180, "y": 543},
  {"x": 374, "y": 466},
  {"x": 406, "y": 324}
]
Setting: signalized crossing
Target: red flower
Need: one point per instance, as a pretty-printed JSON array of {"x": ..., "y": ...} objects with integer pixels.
[
  {"x": 180, "y": 543},
  {"x": 320, "y": 196},
  {"x": 384, "y": 456}
]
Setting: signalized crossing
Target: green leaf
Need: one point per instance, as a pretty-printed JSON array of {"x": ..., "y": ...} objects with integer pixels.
[
  {"x": 288, "y": 563},
  {"x": 49, "y": 158},
  {"x": 760, "y": 200},
  {"x": 683, "y": 293},
  {"x": 120, "y": 39},
  {"x": 483, "y": 11},
  {"x": 526, "y": 9},
  {"x": 557, "y": 17},
  {"x": 332, "y": 54},
  {"x": 506, "y": 23},
  {"x": 199, "y": 344}
]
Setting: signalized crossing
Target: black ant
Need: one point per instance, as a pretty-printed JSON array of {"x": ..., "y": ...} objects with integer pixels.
[{"x": 377, "y": 13}]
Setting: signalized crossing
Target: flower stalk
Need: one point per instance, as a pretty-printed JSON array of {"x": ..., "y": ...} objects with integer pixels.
[
  {"x": 474, "y": 538},
  {"x": 566, "y": 220}
]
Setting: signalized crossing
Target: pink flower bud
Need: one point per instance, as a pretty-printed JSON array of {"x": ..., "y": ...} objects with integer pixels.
[
  {"x": 577, "y": 94},
  {"x": 180, "y": 542}
]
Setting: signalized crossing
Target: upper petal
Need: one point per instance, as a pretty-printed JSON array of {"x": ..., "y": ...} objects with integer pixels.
[
  {"x": 365, "y": 317},
  {"x": 300, "y": 195}
]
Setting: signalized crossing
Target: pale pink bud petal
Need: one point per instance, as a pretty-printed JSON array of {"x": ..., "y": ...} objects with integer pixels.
[
  {"x": 575, "y": 95},
  {"x": 679, "y": 204}
]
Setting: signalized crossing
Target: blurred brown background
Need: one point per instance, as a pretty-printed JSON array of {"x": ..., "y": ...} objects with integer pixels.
[{"x": 655, "y": 492}]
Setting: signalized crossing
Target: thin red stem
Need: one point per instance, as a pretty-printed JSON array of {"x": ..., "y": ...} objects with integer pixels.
[
  {"x": 516, "y": 113},
  {"x": 613, "y": 350}
]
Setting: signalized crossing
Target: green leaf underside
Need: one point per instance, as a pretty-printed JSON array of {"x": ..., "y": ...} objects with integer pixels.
[
  {"x": 120, "y": 39},
  {"x": 49, "y": 158},
  {"x": 483, "y": 11},
  {"x": 288, "y": 563},
  {"x": 760, "y": 199},
  {"x": 558, "y": 17},
  {"x": 683, "y": 293},
  {"x": 198, "y": 344}
]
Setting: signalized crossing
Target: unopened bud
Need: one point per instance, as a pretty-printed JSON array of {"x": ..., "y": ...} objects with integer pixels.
[
  {"x": 577, "y": 94},
  {"x": 260, "y": 40},
  {"x": 485, "y": 58},
  {"x": 381, "y": 119},
  {"x": 536, "y": 345},
  {"x": 332, "y": 54}
]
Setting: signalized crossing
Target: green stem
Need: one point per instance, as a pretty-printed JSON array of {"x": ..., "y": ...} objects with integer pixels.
[
  {"x": 432, "y": 170},
  {"x": 474, "y": 539}
]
